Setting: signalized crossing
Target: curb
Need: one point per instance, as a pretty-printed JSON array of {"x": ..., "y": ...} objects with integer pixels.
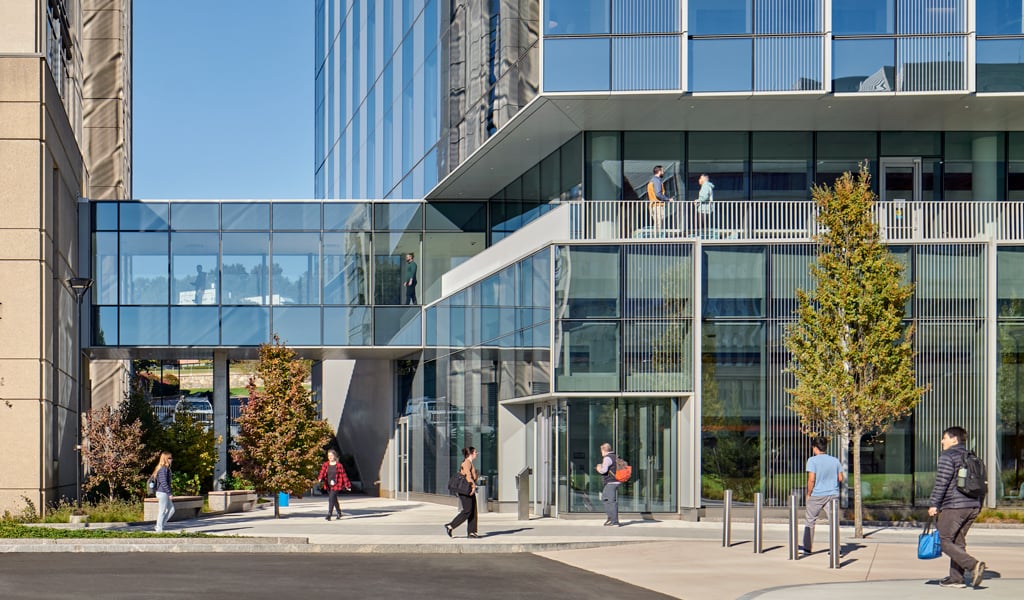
[{"x": 285, "y": 546}]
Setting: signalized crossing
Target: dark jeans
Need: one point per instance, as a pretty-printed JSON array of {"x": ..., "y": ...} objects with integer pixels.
[
  {"x": 468, "y": 512},
  {"x": 332, "y": 502},
  {"x": 410, "y": 294},
  {"x": 610, "y": 498},
  {"x": 953, "y": 525}
]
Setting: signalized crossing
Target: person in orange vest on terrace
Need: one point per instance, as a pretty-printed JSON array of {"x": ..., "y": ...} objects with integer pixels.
[{"x": 656, "y": 199}]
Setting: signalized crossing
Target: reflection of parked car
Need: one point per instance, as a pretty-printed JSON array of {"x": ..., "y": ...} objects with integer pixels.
[{"x": 199, "y": 407}]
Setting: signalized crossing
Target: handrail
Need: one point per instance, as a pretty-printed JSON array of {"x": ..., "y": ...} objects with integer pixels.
[{"x": 791, "y": 220}]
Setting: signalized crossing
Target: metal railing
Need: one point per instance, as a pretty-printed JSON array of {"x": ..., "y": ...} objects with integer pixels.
[{"x": 791, "y": 220}]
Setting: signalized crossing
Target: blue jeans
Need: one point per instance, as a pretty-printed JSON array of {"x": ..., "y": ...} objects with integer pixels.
[{"x": 165, "y": 511}]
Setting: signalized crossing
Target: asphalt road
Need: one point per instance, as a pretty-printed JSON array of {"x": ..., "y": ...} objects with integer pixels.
[{"x": 71, "y": 576}]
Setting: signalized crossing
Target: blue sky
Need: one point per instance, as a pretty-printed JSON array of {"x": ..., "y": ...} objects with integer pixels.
[{"x": 223, "y": 99}]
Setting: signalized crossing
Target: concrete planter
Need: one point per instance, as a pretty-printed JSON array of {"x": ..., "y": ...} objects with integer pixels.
[
  {"x": 185, "y": 507},
  {"x": 230, "y": 501},
  {"x": 79, "y": 519}
]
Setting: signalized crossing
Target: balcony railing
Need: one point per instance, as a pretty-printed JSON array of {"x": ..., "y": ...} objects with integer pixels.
[{"x": 793, "y": 220}]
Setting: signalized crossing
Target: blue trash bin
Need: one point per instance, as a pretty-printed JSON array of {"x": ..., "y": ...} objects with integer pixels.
[{"x": 282, "y": 499}]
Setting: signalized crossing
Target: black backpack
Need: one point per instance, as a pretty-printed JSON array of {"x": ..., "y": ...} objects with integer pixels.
[{"x": 972, "y": 476}]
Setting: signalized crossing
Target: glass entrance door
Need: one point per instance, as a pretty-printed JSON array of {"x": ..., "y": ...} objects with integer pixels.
[
  {"x": 900, "y": 185},
  {"x": 901, "y": 179}
]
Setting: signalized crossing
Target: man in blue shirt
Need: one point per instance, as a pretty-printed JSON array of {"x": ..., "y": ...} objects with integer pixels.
[{"x": 824, "y": 474}]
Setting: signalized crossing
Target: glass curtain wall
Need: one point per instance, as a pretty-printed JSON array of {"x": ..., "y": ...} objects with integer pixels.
[
  {"x": 556, "y": 178},
  {"x": 999, "y": 46},
  {"x": 760, "y": 45},
  {"x": 485, "y": 344},
  {"x": 1010, "y": 377},
  {"x": 629, "y": 44},
  {"x": 641, "y": 431},
  {"x": 627, "y": 332},
  {"x": 899, "y": 46}
]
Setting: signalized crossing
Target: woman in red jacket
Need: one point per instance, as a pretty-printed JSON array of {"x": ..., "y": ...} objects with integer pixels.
[{"x": 333, "y": 478}]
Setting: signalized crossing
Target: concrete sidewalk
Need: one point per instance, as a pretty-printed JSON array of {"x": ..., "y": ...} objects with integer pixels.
[{"x": 678, "y": 558}]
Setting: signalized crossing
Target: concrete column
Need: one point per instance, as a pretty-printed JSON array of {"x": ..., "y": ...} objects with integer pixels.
[
  {"x": 512, "y": 451},
  {"x": 221, "y": 390}
]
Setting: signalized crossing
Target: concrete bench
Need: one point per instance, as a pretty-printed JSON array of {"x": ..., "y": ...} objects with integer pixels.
[{"x": 185, "y": 507}]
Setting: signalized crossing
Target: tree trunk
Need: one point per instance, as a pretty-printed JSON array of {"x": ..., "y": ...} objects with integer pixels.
[
  {"x": 277, "y": 506},
  {"x": 858, "y": 503}
]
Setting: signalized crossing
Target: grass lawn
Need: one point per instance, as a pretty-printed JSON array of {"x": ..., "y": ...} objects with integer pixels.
[{"x": 12, "y": 530}]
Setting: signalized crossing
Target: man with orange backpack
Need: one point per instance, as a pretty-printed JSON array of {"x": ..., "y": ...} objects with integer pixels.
[{"x": 608, "y": 468}]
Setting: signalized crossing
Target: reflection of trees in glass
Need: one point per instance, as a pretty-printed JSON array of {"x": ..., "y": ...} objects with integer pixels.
[
  {"x": 244, "y": 285},
  {"x": 1010, "y": 401},
  {"x": 731, "y": 454},
  {"x": 670, "y": 349}
]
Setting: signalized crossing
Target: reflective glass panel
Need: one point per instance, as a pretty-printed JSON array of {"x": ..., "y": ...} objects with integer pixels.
[
  {"x": 104, "y": 325},
  {"x": 347, "y": 326},
  {"x": 998, "y": 17},
  {"x": 724, "y": 157},
  {"x": 397, "y": 326},
  {"x": 297, "y": 325},
  {"x": 574, "y": 17},
  {"x": 587, "y": 281},
  {"x": 589, "y": 356},
  {"x": 443, "y": 252},
  {"x": 347, "y": 215},
  {"x": 603, "y": 165},
  {"x": 456, "y": 216},
  {"x": 194, "y": 216},
  {"x": 104, "y": 268},
  {"x": 398, "y": 216},
  {"x": 245, "y": 270},
  {"x": 194, "y": 268},
  {"x": 250, "y": 215},
  {"x": 863, "y": 16},
  {"x": 788, "y": 63},
  {"x": 296, "y": 215},
  {"x": 931, "y": 64},
  {"x": 346, "y": 268},
  {"x": 734, "y": 282},
  {"x": 633, "y": 69},
  {"x": 245, "y": 325},
  {"x": 1010, "y": 284},
  {"x": 137, "y": 216},
  {"x": 646, "y": 438},
  {"x": 733, "y": 392},
  {"x": 715, "y": 17},
  {"x": 143, "y": 326},
  {"x": 658, "y": 356},
  {"x": 645, "y": 16},
  {"x": 841, "y": 151},
  {"x": 104, "y": 216},
  {"x": 1000, "y": 65},
  {"x": 781, "y": 168},
  {"x": 195, "y": 326},
  {"x": 144, "y": 269},
  {"x": 296, "y": 268},
  {"x": 721, "y": 65},
  {"x": 562, "y": 60},
  {"x": 389, "y": 251},
  {"x": 788, "y": 16},
  {"x": 1010, "y": 419},
  {"x": 863, "y": 65}
]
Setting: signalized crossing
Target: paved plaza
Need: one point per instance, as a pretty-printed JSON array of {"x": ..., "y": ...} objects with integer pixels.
[{"x": 676, "y": 558}]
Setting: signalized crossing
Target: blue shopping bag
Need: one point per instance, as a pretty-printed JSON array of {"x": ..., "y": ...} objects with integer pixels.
[{"x": 928, "y": 545}]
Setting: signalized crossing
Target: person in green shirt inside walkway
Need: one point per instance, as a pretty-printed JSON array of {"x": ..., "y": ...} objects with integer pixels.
[{"x": 409, "y": 281}]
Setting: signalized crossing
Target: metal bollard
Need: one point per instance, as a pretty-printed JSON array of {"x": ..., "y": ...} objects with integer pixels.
[
  {"x": 833, "y": 536},
  {"x": 794, "y": 541},
  {"x": 757, "y": 523},
  {"x": 727, "y": 519}
]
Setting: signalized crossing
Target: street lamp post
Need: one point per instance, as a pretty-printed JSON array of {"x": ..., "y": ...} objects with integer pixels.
[{"x": 80, "y": 285}]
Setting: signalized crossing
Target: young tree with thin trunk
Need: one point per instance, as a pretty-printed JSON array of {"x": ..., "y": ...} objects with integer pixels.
[
  {"x": 280, "y": 439},
  {"x": 113, "y": 450},
  {"x": 852, "y": 355}
]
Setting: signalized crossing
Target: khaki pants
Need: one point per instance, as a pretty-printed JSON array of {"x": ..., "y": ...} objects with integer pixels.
[{"x": 815, "y": 504}]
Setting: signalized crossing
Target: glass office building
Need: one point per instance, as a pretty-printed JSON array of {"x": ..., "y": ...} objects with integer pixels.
[{"x": 507, "y": 144}]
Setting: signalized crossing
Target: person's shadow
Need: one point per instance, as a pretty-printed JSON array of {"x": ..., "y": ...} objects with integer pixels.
[{"x": 505, "y": 532}]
